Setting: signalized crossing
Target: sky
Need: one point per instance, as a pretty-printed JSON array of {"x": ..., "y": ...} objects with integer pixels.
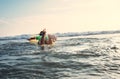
[{"x": 31, "y": 16}]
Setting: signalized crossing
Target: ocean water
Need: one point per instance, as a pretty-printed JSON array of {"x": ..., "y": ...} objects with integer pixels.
[{"x": 81, "y": 56}]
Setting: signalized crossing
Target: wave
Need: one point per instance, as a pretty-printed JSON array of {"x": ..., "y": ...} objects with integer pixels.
[
  {"x": 70, "y": 34},
  {"x": 72, "y": 57},
  {"x": 18, "y": 37}
]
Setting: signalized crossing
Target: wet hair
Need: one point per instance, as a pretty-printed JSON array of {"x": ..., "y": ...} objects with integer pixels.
[{"x": 42, "y": 33}]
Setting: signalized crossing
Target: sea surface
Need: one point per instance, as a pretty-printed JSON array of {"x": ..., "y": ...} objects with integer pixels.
[{"x": 74, "y": 56}]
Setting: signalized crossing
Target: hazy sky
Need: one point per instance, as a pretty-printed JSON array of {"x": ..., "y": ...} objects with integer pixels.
[{"x": 30, "y": 16}]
